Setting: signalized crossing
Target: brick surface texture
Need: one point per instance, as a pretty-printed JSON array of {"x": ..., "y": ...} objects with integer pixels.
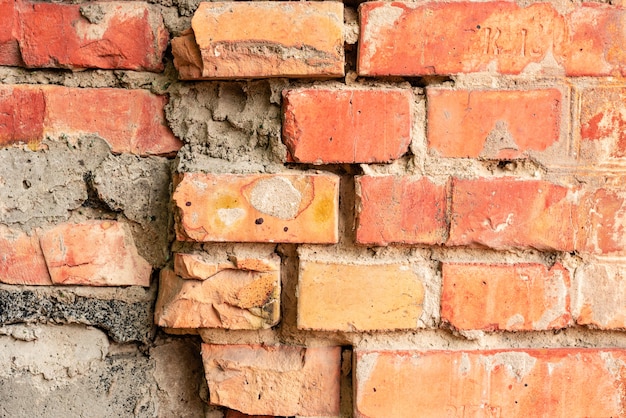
[{"x": 317, "y": 209}]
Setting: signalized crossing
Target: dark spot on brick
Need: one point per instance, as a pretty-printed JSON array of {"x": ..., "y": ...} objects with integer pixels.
[
  {"x": 258, "y": 221},
  {"x": 188, "y": 204}
]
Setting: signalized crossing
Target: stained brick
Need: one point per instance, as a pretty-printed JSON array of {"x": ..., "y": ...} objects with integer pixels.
[
  {"x": 602, "y": 222},
  {"x": 492, "y": 124},
  {"x": 506, "y": 213},
  {"x": 107, "y": 35},
  {"x": 602, "y": 124},
  {"x": 278, "y": 380},
  {"x": 301, "y": 208},
  {"x": 505, "y": 296},
  {"x": 491, "y": 383},
  {"x": 601, "y": 298},
  {"x": 401, "y": 38},
  {"x": 286, "y": 40},
  {"x": 230, "y": 298},
  {"x": 21, "y": 259},
  {"x": 134, "y": 122},
  {"x": 323, "y": 126},
  {"x": 95, "y": 253},
  {"x": 394, "y": 209},
  {"x": 358, "y": 297}
]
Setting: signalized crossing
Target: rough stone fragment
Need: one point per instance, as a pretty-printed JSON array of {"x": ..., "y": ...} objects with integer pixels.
[
  {"x": 601, "y": 298},
  {"x": 570, "y": 382},
  {"x": 96, "y": 253},
  {"x": 354, "y": 297},
  {"x": 230, "y": 298},
  {"x": 506, "y": 212},
  {"x": 325, "y": 126},
  {"x": 274, "y": 380},
  {"x": 286, "y": 40},
  {"x": 107, "y": 35},
  {"x": 496, "y": 124},
  {"x": 125, "y": 314},
  {"x": 394, "y": 209},
  {"x": 21, "y": 259},
  {"x": 301, "y": 208},
  {"x": 510, "y": 297}
]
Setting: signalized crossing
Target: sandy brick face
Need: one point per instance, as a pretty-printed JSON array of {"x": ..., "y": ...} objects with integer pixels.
[{"x": 323, "y": 126}]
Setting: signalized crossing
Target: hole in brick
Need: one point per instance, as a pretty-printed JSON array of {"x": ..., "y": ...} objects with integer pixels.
[
  {"x": 258, "y": 221},
  {"x": 285, "y": 229},
  {"x": 26, "y": 184},
  {"x": 188, "y": 204}
]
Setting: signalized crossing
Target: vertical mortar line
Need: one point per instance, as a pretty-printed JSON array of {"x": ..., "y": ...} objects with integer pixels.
[{"x": 289, "y": 271}]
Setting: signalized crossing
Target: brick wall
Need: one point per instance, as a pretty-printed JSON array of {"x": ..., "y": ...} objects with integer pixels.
[{"x": 383, "y": 209}]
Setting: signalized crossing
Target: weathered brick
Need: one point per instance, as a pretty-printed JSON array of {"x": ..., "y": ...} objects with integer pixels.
[
  {"x": 601, "y": 298},
  {"x": 602, "y": 222},
  {"x": 9, "y": 34},
  {"x": 394, "y": 209},
  {"x": 301, "y": 208},
  {"x": 21, "y": 259},
  {"x": 358, "y": 297},
  {"x": 602, "y": 124},
  {"x": 509, "y": 297},
  {"x": 22, "y": 112},
  {"x": 492, "y": 124},
  {"x": 134, "y": 122},
  {"x": 323, "y": 126},
  {"x": 401, "y": 38},
  {"x": 231, "y": 413},
  {"x": 504, "y": 213},
  {"x": 279, "y": 380},
  {"x": 219, "y": 295},
  {"x": 495, "y": 383},
  {"x": 95, "y": 253},
  {"x": 107, "y": 35},
  {"x": 286, "y": 40}
]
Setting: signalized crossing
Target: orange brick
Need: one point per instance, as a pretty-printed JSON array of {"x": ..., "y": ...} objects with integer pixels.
[
  {"x": 504, "y": 213},
  {"x": 300, "y": 208},
  {"x": 323, "y": 126},
  {"x": 135, "y": 121},
  {"x": 107, "y": 35},
  {"x": 279, "y": 380},
  {"x": 496, "y": 383},
  {"x": 283, "y": 40},
  {"x": 352, "y": 297},
  {"x": 492, "y": 124},
  {"x": 230, "y": 298},
  {"x": 601, "y": 298},
  {"x": 409, "y": 39},
  {"x": 602, "y": 124},
  {"x": 95, "y": 253},
  {"x": 602, "y": 222},
  {"x": 408, "y": 210},
  {"x": 231, "y": 413},
  {"x": 21, "y": 259},
  {"x": 509, "y": 297},
  {"x": 22, "y": 111}
]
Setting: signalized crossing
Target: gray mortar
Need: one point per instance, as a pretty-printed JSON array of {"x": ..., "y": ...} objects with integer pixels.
[
  {"x": 140, "y": 188},
  {"x": 125, "y": 314}
]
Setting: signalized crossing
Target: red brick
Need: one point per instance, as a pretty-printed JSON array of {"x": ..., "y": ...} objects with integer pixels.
[
  {"x": 209, "y": 293},
  {"x": 496, "y": 383},
  {"x": 134, "y": 123},
  {"x": 492, "y": 124},
  {"x": 286, "y": 40},
  {"x": 22, "y": 112},
  {"x": 117, "y": 35},
  {"x": 9, "y": 34},
  {"x": 400, "y": 38},
  {"x": 601, "y": 298},
  {"x": 231, "y": 413},
  {"x": 95, "y": 253},
  {"x": 505, "y": 213},
  {"x": 510, "y": 297},
  {"x": 602, "y": 222},
  {"x": 279, "y": 380},
  {"x": 323, "y": 126},
  {"x": 21, "y": 259},
  {"x": 602, "y": 124},
  {"x": 358, "y": 297},
  {"x": 408, "y": 210},
  {"x": 299, "y": 208}
]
